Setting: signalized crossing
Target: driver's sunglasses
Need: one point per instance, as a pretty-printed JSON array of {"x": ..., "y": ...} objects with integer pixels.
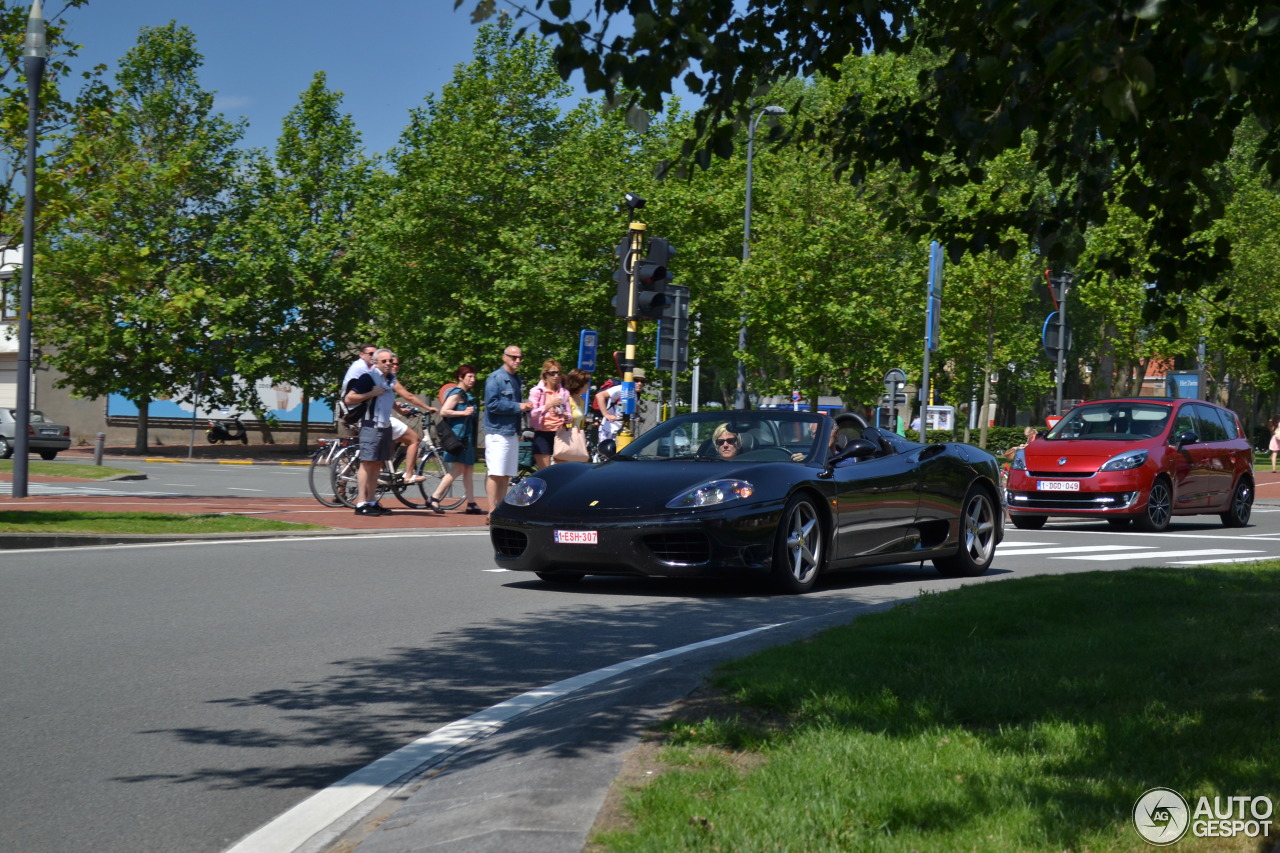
[{"x": 727, "y": 441}]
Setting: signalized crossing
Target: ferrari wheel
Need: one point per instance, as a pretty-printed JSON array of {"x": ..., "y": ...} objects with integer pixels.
[
  {"x": 977, "y": 538},
  {"x": 1237, "y": 515},
  {"x": 1028, "y": 522},
  {"x": 798, "y": 549},
  {"x": 1155, "y": 517}
]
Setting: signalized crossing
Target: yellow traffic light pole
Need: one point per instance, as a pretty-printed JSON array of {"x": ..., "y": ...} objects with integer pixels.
[{"x": 635, "y": 233}]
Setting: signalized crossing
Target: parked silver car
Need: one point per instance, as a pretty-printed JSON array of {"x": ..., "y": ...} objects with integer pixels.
[{"x": 43, "y": 435}]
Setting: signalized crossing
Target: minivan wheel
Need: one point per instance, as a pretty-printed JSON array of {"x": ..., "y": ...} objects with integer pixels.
[
  {"x": 1237, "y": 515},
  {"x": 1159, "y": 508}
]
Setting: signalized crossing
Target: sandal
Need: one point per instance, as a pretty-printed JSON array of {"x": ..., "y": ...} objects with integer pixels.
[
  {"x": 434, "y": 505},
  {"x": 414, "y": 479},
  {"x": 473, "y": 509}
]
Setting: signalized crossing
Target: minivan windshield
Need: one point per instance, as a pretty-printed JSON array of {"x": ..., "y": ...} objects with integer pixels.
[{"x": 1116, "y": 421}]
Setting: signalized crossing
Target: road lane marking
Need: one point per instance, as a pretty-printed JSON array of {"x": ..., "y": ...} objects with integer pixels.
[
  {"x": 1077, "y": 549},
  {"x": 1162, "y": 555}
]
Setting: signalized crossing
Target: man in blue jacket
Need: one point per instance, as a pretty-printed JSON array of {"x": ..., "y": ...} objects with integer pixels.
[{"x": 504, "y": 404}]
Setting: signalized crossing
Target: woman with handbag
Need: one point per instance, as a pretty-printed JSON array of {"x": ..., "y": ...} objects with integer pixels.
[
  {"x": 459, "y": 412},
  {"x": 570, "y": 443},
  {"x": 550, "y": 412}
]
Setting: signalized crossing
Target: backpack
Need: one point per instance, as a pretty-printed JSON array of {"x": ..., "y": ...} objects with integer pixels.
[
  {"x": 445, "y": 389},
  {"x": 608, "y": 383},
  {"x": 350, "y": 415}
]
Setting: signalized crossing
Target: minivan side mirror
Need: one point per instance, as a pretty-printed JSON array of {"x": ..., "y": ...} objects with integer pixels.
[{"x": 1188, "y": 437}]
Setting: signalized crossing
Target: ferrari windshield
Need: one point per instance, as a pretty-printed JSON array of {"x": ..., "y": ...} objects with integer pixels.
[
  {"x": 1113, "y": 421},
  {"x": 735, "y": 436}
]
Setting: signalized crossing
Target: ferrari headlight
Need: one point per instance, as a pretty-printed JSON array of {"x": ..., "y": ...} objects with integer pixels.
[
  {"x": 1126, "y": 461},
  {"x": 526, "y": 491},
  {"x": 712, "y": 494},
  {"x": 1019, "y": 462}
]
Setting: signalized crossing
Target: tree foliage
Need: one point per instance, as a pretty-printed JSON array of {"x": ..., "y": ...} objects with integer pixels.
[
  {"x": 54, "y": 109},
  {"x": 1133, "y": 102},
  {"x": 129, "y": 291},
  {"x": 292, "y": 248}
]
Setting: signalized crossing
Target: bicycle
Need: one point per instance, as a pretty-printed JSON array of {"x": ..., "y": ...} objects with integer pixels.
[
  {"x": 430, "y": 466},
  {"x": 322, "y": 458}
]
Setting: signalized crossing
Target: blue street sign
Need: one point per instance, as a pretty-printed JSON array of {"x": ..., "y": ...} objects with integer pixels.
[{"x": 587, "y": 350}]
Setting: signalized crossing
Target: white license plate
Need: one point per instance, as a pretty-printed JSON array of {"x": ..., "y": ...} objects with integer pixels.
[
  {"x": 1058, "y": 485},
  {"x": 48, "y": 432},
  {"x": 576, "y": 537}
]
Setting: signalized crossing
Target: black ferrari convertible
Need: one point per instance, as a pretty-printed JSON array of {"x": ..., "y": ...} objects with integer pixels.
[{"x": 767, "y": 493}]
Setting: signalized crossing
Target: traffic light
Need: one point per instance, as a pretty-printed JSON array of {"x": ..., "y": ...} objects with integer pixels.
[
  {"x": 622, "y": 275},
  {"x": 652, "y": 279},
  {"x": 1059, "y": 283}
]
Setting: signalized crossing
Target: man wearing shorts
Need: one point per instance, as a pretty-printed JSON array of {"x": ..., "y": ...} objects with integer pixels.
[
  {"x": 377, "y": 385},
  {"x": 504, "y": 403}
]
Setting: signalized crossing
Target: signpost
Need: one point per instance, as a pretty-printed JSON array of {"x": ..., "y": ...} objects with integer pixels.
[{"x": 932, "y": 323}]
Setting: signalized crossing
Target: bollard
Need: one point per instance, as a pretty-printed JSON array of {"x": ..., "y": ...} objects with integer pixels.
[{"x": 98, "y": 441}]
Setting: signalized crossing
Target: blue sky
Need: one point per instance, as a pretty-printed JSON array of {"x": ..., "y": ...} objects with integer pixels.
[{"x": 260, "y": 55}]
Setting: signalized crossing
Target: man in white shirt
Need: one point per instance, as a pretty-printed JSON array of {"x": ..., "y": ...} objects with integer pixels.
[
  {"x": 607, "y": 401},
  {"x": 377, "y": 385}
]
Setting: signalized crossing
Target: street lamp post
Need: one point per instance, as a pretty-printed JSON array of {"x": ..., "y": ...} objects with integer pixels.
[
  {"x": 740, "y": 394},
  {"x": 34, "y": 56}
]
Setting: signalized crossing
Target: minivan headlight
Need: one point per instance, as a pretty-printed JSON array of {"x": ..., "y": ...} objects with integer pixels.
[
  {"x": 1126, "y": 461},
  {"x": 1019, "y": 462}
]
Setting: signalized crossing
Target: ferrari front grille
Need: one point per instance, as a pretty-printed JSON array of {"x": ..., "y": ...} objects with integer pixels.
[
  {"x": 508, "y": 543},
  {"x": 684, "y": 548}
]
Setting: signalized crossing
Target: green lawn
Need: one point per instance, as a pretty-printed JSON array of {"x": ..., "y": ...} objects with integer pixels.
[
  {"x": 65, "y": 469},
  {"x": 1022, "y": 715}
]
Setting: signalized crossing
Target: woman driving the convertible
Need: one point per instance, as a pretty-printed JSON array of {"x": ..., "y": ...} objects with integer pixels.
[{"x": 726, "y": 442}]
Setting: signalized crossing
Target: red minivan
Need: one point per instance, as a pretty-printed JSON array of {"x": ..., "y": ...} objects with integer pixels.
[{"x": 1141, "y": 460}]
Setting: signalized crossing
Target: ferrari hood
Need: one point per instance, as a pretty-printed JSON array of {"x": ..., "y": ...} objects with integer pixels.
[{"x": 627, "y": 486}]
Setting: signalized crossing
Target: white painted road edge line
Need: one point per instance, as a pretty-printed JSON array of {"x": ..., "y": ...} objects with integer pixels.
[{"x": 334, "y": 809}]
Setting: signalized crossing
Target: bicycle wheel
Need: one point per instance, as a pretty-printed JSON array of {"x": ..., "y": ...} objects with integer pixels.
[
  {"x": 320, "y": 476},
  {"x": 346, "y": 486}
]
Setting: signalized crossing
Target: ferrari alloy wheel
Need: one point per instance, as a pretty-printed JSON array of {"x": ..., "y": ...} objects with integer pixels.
[
  {"x": 1159, "y": 508},
  {"x": 798, "y": 547},
  {"x": 977, "y": 537},
  {"x": 1237, "y": 515}
]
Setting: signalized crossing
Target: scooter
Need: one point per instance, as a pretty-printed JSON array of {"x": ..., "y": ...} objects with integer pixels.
[{"x": 227, "y": 431}]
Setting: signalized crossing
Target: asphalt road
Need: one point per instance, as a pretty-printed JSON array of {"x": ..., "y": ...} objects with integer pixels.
[{"x": 177, "y": 697}]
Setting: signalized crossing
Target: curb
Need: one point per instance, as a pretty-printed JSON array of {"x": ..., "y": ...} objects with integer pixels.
[{"x": 24, "y": 541}]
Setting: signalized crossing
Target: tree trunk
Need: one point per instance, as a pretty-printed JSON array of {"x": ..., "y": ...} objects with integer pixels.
[
  {"x": 140, "y": 436},
  {"x": 303, "y": 438}
]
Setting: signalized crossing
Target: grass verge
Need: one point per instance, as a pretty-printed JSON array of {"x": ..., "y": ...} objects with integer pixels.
[
  {"x": 60, "y": 521},
  {"x": 65, "y": 469},
  {"x": 1024, "y": 715}
]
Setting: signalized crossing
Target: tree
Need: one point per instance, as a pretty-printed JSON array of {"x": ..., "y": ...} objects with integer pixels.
[
  {"x": 497, "y": 221},
  {"x": 132, "y": 299},
  {"x": 1135, "y": 101},
  {"x": 54, "y": 109},
  {"x": 292, "y": 250}
]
